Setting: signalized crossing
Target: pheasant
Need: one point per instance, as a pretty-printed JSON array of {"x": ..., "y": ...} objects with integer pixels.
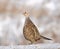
[{"x": 31, "y": 32}]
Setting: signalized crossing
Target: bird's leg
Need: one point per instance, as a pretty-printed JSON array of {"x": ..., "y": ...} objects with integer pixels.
[{"x": 32, "y": 41}]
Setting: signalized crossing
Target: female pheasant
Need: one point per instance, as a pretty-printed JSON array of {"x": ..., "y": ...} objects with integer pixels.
[{"x": 31, "y": 32}]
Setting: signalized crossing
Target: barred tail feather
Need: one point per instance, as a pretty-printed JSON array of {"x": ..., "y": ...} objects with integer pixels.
[{"x": 46, "y": 38}]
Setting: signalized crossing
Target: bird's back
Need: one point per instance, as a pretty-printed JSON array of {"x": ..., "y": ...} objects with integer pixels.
[{"x": 30, "y": 31}]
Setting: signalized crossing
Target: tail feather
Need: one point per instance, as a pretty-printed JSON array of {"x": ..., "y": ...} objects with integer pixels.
[{"x": 46, "y": 38}]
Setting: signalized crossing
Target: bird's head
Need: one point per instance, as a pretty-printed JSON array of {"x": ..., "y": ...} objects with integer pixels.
[{"x": 26, "y": 13}]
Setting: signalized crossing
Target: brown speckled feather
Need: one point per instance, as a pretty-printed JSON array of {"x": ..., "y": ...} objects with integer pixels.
[{"x": 31, "y": 32}]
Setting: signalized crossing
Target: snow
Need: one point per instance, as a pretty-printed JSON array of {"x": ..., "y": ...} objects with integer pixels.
[{"x": 36, "y": 46}]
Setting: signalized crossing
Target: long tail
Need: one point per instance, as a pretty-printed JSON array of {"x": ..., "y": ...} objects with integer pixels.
[{"x": 45, "y": 38}]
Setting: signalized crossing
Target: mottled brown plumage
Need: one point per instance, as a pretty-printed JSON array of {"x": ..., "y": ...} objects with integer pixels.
[{"x": 31, "y": 32}]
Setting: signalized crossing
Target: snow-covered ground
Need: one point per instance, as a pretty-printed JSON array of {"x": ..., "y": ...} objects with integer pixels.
[{"x": 38, "y": 46}]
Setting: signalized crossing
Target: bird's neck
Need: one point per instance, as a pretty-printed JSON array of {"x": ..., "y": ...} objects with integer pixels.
[{"x": 28, "y": 21}]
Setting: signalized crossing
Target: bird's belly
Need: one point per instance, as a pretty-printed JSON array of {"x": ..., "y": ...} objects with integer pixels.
[{"x": 29, "y": 34}]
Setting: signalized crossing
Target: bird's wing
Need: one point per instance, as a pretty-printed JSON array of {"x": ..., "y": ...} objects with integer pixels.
[{"x": 36, "y": 35}]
